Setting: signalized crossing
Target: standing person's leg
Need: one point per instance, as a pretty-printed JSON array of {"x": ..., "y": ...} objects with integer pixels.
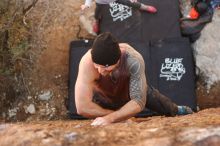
[
  {"x": 97, "y": 16},
  {"x": 138, "y": 5},
  {"x": 163, "y": 105}
]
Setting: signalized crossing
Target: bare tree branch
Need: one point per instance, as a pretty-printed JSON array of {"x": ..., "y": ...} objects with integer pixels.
[
  {"x": 30, "y": 7},
  {"x": 27, "y": 10}
]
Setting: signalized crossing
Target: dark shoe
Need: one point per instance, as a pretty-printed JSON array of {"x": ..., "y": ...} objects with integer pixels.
[{"x": 184, "y": 110}]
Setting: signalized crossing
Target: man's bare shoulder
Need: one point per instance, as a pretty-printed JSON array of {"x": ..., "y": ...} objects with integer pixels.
[
  {"x": 86, "y": 67},
  {"x": 125, "y": 46},
  {"x": 86, "y": 60}
]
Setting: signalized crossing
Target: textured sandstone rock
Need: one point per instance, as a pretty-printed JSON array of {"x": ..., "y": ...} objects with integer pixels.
[
  {"x": 198, "y": 129},
  {"x": 207, "y": 51}
]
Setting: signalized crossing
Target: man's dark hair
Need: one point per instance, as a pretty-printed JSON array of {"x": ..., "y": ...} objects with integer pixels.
[{"x": 105, "y": 50}]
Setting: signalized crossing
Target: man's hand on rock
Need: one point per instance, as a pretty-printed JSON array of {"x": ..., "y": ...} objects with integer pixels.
[{"x": 101, "y": 121}]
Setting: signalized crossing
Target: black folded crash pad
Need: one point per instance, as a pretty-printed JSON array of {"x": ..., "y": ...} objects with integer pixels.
[
  {"x": 163, "y": 24},
  {"x": 129, "y": 24},
  {"x": 169, "y": 68},
  {"x": 168, "y": 57},
  {"x": 122, "y": 21}
]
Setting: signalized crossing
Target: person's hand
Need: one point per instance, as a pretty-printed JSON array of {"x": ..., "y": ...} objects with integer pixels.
[
  {"x": 133, "y": 1},
  {"x": 101, "y": 121},
  {"x": 83, "y": 7}
]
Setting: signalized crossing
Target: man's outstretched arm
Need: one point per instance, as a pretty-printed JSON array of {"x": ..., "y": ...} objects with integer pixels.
[
  {"x": 127, "y": 111},
  {"x": 84, "y": 104}
]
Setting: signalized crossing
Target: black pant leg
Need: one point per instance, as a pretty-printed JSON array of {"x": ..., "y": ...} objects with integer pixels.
[
  {"x": 98, "y": 10},
  {"x": 160, "y": 103}
]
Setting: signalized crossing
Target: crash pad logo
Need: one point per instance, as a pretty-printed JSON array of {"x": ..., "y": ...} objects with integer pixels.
[
  {"x": 119, "y": 11},
  {"x": 172, "y": 69}
]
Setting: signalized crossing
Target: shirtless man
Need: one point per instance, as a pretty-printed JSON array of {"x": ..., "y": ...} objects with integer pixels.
[{"x": 111, "y": 85}]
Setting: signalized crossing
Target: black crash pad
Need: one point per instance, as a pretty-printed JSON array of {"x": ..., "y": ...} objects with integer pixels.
[
  {"x": 130, "y": 25},
  {"x": 169, "y": 68}
]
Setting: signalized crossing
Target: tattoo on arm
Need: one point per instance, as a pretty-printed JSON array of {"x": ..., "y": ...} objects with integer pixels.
[{"x": 136, "y": 87}]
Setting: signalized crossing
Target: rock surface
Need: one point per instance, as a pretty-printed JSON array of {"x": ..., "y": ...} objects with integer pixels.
[
  {"x": 207, "y": 51},
  {"x": 198, "y": 129}
]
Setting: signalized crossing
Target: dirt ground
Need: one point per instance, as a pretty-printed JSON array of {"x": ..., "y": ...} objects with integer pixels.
[
  {"x": 51, "y": 70},
  {"x": 54, "y": 24},
  {"x": 199, "y": 129}
]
